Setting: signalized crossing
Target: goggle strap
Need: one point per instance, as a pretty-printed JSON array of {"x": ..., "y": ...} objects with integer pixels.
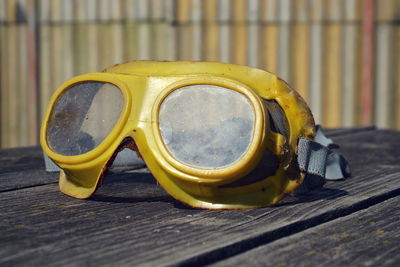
[
  {"x": 50, "y": 165},
  {"x": 316, "y": 158}
]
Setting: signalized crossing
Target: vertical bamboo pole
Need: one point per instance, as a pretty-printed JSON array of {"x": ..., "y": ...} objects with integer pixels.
[
  {"x": 104, "y": 37},
  {"x": 159, "y": 27},
  {"x": 116, "y": 32},
  {"x": 143, "y": 24},
  {"x": 210, "y": 49},
  {"x": 33, "y": 93},
  {"x": 332, "y": 52},
  {"x": 81, "y": 32},
  {"x": 284, "y": 35},
  {"x": 171, "y": 32},
  {"x": 316, "y": 60},
  {"x": 12, "y": 69},
  {"x": 197, "y": 36},
  {"x": 67, "y": 38},
  {"x": 130, "y": 31},
  {"x": 301, "y": 48},
  {"x": 253, "y": 33},
  {"x": 3, "y": 76},
  {"x": 22, "y": 89},
  {"x": 58, "y": 44},
  {"x": 351, "y": 61},
  {"x": 224, "y": 14},
  {"x": 384, "y": 83},
  {"x": 239, "y": 32},
  {"x": 185, "y": 29},
  {"x": 367, "y": 62},
  {"x": 397, "y": 70},
  {"x": 46, "y": 71},
  {"x": 269, "y": 36},
  {"x": 93, "y": 31}
]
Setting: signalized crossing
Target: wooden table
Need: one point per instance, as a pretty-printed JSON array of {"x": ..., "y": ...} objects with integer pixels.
[{"x": 132, "y": 221}]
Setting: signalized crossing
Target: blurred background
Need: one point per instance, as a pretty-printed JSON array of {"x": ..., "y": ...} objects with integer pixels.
[{"x": 343, "y": 56}]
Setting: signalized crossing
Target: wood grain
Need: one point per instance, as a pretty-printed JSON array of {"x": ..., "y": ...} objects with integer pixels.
[
  {"x": 132, "y": 221},
  {"x": 368, "y": 236}
]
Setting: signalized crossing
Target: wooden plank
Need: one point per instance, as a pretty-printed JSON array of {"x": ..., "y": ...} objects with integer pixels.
[
  {"x": 18, "y": 164},
  {"x": 136, "y": 215},
  {"x": 370, "y": 236}
]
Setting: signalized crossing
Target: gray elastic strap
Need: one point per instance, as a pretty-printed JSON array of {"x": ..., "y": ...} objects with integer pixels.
[
  {"x": 126, "y": 158},
  {"x": 316, "y": 158},
  {"x": 50, "y": 165},
  {"x": 312, "y": 157},
  {"x": 322, "y": 139},
  {"x": 337, "y": 168}
]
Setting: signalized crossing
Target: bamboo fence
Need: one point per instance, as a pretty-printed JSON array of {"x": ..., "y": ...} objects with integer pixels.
[{"x": 342, "y": 56}]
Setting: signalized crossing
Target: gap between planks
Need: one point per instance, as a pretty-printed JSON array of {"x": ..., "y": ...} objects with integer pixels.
[{"x": 265, "y": 238}]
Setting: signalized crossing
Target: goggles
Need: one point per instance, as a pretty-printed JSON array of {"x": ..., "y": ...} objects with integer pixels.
[{"x": 214, "y": 135}]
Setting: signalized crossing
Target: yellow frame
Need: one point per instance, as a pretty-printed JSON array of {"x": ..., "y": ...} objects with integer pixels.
[
  {"x": 103, "y": 77},
  {"x": 228, "y": 171},
  {"x": 144, "y": 85}
]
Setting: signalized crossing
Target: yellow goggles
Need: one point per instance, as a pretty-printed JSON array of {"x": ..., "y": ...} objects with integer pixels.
[{"x": 214, "y": 135}]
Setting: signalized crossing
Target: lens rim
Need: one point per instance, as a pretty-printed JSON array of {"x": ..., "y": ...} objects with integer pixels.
[
  {"x": 238, "y": 168},
  {"x": 111, "y": 137}
]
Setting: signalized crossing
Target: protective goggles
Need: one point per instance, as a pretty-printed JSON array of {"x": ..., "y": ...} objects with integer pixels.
[{"x": 214, "y": 135}]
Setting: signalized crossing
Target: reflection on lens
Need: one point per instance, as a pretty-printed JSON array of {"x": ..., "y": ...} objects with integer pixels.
[
  {"x": 83, "y": 116},
  {"x": 206, "y": 126}
]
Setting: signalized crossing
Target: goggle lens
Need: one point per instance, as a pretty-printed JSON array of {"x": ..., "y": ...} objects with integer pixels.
[
  {"x": 83, "y": 116},
  {"x": 206, "y": 126}
]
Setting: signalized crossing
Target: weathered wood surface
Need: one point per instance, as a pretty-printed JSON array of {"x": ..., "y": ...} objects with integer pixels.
[
  {"x": 132, "y": 221},
  {"x": 23, "y": 167},
  {"x": 367, "y": 237}
]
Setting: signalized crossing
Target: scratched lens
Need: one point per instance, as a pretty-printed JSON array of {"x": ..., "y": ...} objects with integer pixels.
[
  {"x": 206, "y": 126},
  {"x": 83, "y": 116}
]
